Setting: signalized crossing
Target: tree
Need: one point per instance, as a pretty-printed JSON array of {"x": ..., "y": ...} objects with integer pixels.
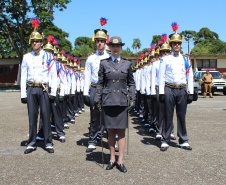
[
  {"x": 84, "y": 40},
  {"x": 59, "y": 34},
  {"x": 136, "y": 44},
  {"x": 188, "y": 34},
  {"x": 82, "y": 50},
  {"x": 155, "y": 39},
  {"x": 15, "y": 20},
  {"x": 83, "y": 46},
  {"x": 205, "y": 34},
  {"x": 207, "y": 42},
  {"x": 143, "y": 51},
  {"x": 127, "y": 52}
]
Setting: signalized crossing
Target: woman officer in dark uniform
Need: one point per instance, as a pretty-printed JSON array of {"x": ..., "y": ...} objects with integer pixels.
[{"x": 114, "y": 77}]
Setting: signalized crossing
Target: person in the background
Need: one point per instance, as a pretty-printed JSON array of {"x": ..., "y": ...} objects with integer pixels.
[
  {"x": 114, "y": 76},
  {"x": 207, "y": 79}
]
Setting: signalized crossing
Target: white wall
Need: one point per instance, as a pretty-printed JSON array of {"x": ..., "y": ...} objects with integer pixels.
[{"x": 221, "y": 63}]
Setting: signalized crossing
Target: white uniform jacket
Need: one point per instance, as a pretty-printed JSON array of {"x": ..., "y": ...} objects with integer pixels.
[
  {"x": 38, "y": 69},
  {"x": 92, "y": 68},
  {"x": 173, "y": 68}
]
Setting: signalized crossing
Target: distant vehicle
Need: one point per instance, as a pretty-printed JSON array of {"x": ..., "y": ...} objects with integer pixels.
[
  {"x": 196, "y": 91},
  {"x": 218, "y": 83}
]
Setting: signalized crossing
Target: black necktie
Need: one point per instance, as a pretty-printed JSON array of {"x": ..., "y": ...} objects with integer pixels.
[{"x": 116, "y": 61}]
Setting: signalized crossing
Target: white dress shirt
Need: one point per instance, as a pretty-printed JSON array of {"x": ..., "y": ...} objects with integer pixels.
[
  {"x": 38, "y": 69},
  {"x": 92, "y": 68},
  {"x": 61, "y": 78},
  {"x": 148, "y": 80},
  {"x": 138, "y": 79},
  {"x": 143, "y": 80},
  {"x": 173, "y": 68}
]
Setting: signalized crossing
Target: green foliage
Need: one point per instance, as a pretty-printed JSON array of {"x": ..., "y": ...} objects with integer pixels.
[
  {"x": 143, "y": 51},
  {"x": 127, "y": 52},
  {"x": 155, "y": 39},
  {"x": 188, "y": 34},
  {"x": 136, "y": 44},
  {"x": 15, "y": 18},
  {"x": 205, "y": 34},
  {"x": 82, "y": 50},
  {"x": 207, "y": 42},
  {"x": 84, "y": 40},
  {"x": 83, "y": 46},
  {"x": 59, "y": 34}
]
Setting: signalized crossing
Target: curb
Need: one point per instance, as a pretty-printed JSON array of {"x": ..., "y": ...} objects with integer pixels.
[{"x": 9, "y": 90}]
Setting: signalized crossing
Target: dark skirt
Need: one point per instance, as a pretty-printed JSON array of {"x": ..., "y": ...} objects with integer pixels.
[{"x": 115, "y": 117}]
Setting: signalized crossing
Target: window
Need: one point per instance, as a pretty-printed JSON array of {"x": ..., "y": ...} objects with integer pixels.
[
  {"x": 206, "y": 63},
  {"x": 213, "y": 63},
  {"x": 5, "y": 69},
  {"x": 199, "y": 63}
]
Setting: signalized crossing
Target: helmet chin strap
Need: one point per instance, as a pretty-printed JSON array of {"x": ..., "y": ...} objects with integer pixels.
[{"x": 37, "y": 50}]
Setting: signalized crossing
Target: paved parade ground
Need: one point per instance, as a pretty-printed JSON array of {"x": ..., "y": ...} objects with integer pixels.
[{"x": 146, "y": 164}]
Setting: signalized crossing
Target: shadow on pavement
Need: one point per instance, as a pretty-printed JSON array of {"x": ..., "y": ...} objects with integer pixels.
[
  {"x": 97, "y": 158},
  {"x": 39, "y": 144}
]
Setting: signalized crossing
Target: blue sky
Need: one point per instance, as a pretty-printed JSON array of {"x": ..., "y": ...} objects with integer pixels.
[{"x": 142, "y": 19}]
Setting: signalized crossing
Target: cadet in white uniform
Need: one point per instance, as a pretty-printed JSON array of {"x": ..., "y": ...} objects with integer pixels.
[
  {"x": 91, "y": 78},
  {"x": 164, "y": 50},
  {"x": 178, "y": 73},
  {"x": 36, "y": 71},
  {"x": 148, "y": 88}
]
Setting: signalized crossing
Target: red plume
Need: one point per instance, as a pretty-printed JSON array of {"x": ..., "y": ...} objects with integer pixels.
[
  {"x": 63, "y": 52},
  {"x": 75, "y": 59},
  {"x": 103, "y": 21},
  {"x": 108, "y": 39},
  {"x": 142, "y": 55},
  {"x": 50, "y": 38},
  {"x": 146, "y": 54},
  {"x": 35, "y": 23},
  {"x": 164, "y": 37},
  {"x": 175, "y": 26},
  {"x": 160, "y": 42},
  {"x": 55, "y": 42},
  {"x": 78, "y": 62},
  {"x": 152, "y": 46},
  {"x": 136, "y": 61},
  {"x": 70, "y": 57}
]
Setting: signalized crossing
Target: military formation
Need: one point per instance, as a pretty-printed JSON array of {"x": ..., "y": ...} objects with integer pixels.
[
  {"x": 55, "y": 89},
  {"x": 164, "y": 82}
]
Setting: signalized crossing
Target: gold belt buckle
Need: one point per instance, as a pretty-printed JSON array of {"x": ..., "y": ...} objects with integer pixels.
[{"x": 45, "y": 88}]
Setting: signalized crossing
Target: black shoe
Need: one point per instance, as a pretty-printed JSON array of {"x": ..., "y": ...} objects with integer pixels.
[
  {"x": 186, "y": 147},
  {"x": 50, "y": 150},
  {"x": 121, "y": 168},
  {"x": 29, "y": 150},
  {"x": 110, "y": 166},
  {"x": 172, "y": 137},
  {"x": 116, "y": 149},
  {"x": 62, "y": 140},
  {"x": 90, "y": 150},
  {"x": 163, "y": 149}
]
